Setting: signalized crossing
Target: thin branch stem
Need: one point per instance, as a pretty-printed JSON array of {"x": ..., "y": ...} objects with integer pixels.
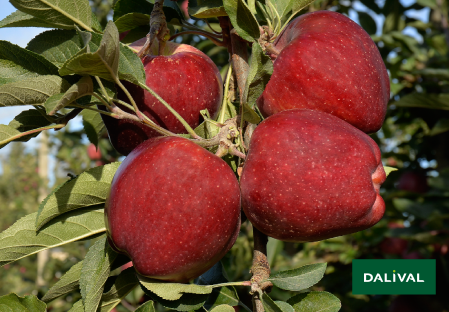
[
  {"x": 175, "y": 113},
  {"x": 225, "y": 96},
  {"x": 103, "y": 89},
  {"x": 209, "y": 36},
  {"x": 22, "y": 134},
  {"x": 210, "y": 27},
  {"x": 245, "y": 283}
]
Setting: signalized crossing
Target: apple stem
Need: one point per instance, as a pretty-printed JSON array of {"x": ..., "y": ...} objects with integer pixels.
[
  {"x": 158, "y": 29},
  {"x": 175, "y": 113},
  {"x": 224, "y": 105},
  {"x": 210, "y": 27},
  {"x": 244, "y": 283},
  {"x": 260, "y": 270}
]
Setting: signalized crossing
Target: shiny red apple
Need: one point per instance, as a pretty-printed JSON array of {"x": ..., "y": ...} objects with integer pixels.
[
  {"x": 173, "y": 208},
  {"x": 184, "y": 77},
  {"x": 328, "y": 63},
  {"x": 309, "y": 176}
]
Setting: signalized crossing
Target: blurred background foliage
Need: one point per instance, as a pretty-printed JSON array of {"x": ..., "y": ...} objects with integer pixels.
[{"x": 413, "y": 38}]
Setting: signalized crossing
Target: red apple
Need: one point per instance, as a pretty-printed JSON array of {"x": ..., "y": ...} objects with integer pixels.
[
  {"x": 328, "y": 63},
  {"x": 184, "y": 77},
  {"x": 93, "y": 152},
  {"x": 413, "y": 182},
  {"x": 309, "y": 176},
  {"x": 173, "y": 208}
]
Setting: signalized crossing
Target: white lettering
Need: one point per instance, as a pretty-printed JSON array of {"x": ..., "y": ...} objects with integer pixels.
[
  {"x": 378, "y": 278},
  {"x": 420, "y": 281},
  {"x": 365, "y": 277},
  {"x": 403, "y": 277},
  {"x": 394, "y": 278},
  {"x": 386, "y": 280},
  {"x": 410, "y": 277}
]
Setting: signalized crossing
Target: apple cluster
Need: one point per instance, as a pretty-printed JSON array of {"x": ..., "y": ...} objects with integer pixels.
[{"x": 311, "y": 171}]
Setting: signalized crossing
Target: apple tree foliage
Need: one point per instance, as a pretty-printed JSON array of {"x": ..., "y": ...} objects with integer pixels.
[{"x": 67, "y": 70}]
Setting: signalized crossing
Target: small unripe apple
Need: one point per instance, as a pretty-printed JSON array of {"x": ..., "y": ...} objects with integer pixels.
[
  {"x": 184, "y": 77},
  {"x": 309, "y": 176},
  {"x": 173, "y": 208},
  {"x": 328, "y": 63},
  {"x": 93, "y": 152}
]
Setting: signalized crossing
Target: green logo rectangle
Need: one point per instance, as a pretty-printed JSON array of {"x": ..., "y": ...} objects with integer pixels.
[{"x": 394, "y": 277}]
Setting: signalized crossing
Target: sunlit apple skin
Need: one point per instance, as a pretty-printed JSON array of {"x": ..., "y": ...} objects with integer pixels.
[
  {"x": 328, "y": 63},
  {"x": 184, "y": 77},
  {"x": 173, "y": 208},
  {"x": 311, "y": 176}
]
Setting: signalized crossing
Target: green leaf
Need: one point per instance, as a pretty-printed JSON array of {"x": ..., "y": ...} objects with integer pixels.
[
  {"x": 14, "y": 303},
  {"x": 300, "y": 278},
  {"x": 96, "y": 26},
  {"x": 6, "y": 134},
  {"x": 297, "y": 6},
  {"x": 59, "y": 45},
  {"x": 90, "y": 188},
  {"x": 131, "y": 20},
  {"x": 125, "y": 282},
  {"x": 437, "y": 73},
  {"x": 31, "y": 91},
  {"x": 93, "y": 125},
  {"x": 223, "y": 308},
  {"x": 441, "y": 126},
  {"x": 102, "y": 63},
  {"x": 367, "y": 22},
  {"x": 83, "y": 87},
  {"x": 173, "y": 291},
  {"x": 389, "y": 170},
  {"x": 188, "y": 302},
  {"x": 21, "y": 239},
  {"x": 269, "y": 305},
  {"x": 284, "y": 306},
  {"x": 219, "y": 295},
  {"x": 250, "y": 115},
  {"x": 274, "y": 247},
  {"x": 71, "y": 279},
  {"x": 11, "y": 72},
  {"x": 77, "y": 307},
  {"x": 69, "y": 282},
  {"x": 242, "y": 19},
  {"x": 431, "y": 101},
  {"x": 95, "y": 271},
  {"x": 171, "y": 10},
  {"x": 207, "y": 9},
  {"x": 222, "y": 295},
  {"x": 63, "y": 14},
  {"x": 146, "y": 307},
  {"x": 29, "y": 120},
  {"x": 260, "y": 71},
  {"x": 83, "y": 62},
  {"x": 21, "y": 19},
  {"x": 28, "y": 60},
  {"x": 52, "y": 102},
  {"x": 315, "y": 301}
]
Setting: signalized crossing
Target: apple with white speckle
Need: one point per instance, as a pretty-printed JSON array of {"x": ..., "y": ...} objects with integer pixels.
[
  {"x": 173, "y": 208},
  {"x": 186, "y": 78},
  {"x": 329, "y": 63},
  {"x": 310, "y": 176}
]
